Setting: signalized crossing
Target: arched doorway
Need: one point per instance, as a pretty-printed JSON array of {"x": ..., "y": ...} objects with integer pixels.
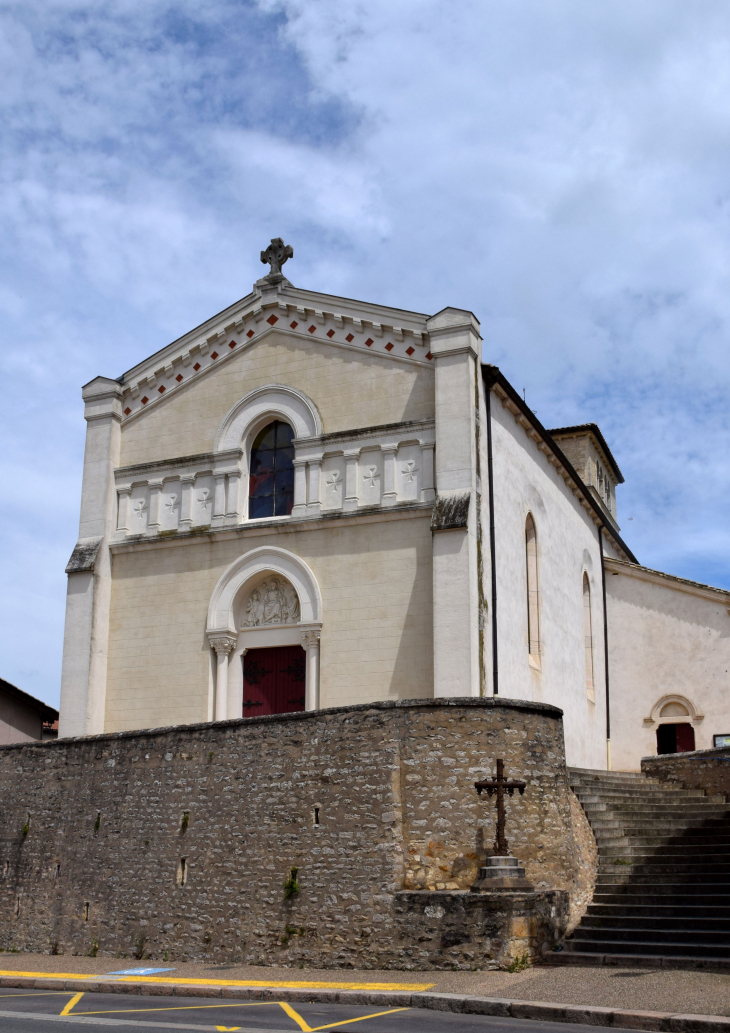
[
  {"x": 264, "y": 617},
  {"x": 675, "y": 735}
]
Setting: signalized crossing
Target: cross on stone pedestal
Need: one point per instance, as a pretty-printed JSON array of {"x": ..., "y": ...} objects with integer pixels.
[
  {"x": 275, "y": 255},
  {"x": 501, "y": 873},
  {"x": 500, "y": 785}
]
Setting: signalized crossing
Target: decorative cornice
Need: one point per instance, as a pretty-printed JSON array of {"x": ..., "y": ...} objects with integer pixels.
[
  {"x": 274, "y": 525},
  {"x": 264, "y": 312},
  {"x": 369, "y": 432},
  {"x": 180, "y": 462}
]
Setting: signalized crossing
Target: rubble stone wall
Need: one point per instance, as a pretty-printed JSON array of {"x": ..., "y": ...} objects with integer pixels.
[
  {"x": 176, "y": 843},
  {"x": 700, "y": 769}
]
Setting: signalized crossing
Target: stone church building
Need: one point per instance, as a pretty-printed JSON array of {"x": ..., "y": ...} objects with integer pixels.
[{"x": 311, "y": 502}]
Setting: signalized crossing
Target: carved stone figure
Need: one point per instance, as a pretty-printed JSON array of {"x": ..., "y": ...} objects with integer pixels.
[
  {"x": 254, "y": 610},
  {"x": 273, "y": 602}
]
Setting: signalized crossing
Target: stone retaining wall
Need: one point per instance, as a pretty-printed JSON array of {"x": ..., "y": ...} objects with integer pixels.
[
  {"x": 700, "y": 769},
  {"x": 176, "y": 843}
]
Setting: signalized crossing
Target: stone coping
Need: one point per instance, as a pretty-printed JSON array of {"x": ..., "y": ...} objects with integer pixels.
[
  {"x": 465, "y": 1004},
  {"x": 714, "y": 753},
  {"x": 486, "y": 703}
]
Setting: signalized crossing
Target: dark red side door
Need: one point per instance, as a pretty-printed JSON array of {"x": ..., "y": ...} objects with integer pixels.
[
  {"x": 685, "y": 738},
  {"x": 274, "y": 680}
]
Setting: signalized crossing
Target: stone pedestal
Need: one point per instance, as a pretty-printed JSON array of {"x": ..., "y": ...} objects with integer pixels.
[{"x": 502, "y": 875}]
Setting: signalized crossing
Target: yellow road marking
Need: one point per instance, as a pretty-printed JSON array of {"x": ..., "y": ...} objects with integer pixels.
[
  {"x": 74, "y": 1000},
  {"x": 181, "y": 1007},
  {"x": 345, "y": 1022},
  {"x": 296, "y": 1016},
  {"x": 227, "y": 1029},
  {"x": 181, "y": 981}
]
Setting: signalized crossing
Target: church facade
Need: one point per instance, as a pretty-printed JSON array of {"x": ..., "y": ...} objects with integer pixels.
[{"x": 312, "y": 502}]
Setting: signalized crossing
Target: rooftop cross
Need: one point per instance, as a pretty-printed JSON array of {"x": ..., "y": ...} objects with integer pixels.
[
  {"x": 498, "y": 785},
  {"x": 275, "y": 255}
]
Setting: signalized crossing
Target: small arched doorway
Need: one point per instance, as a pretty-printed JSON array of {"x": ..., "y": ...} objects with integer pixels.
[{"x": 675, "y": 733}]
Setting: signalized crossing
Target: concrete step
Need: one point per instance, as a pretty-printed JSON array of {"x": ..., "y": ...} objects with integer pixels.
[
  {"x": 649, "y": 871},
  {"x": 719, "y": 937},
  {"x": 649, "y": 879},
  {"x": 644, "y": 961},
  {"x": 650, "y": 911},
  {"x": 715, "y": 813},
  {"x": 651, "y": 947},
  {"x": 632, "y": 899},
  {"x": 669, "y": 923},
  {"x": 593, "y": 795},
  {"x": 708, "y": 844},
  {"x": 601, "y": 773}
]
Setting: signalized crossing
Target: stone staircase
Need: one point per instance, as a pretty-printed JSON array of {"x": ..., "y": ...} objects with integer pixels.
[{"x": 663, "y": 889}]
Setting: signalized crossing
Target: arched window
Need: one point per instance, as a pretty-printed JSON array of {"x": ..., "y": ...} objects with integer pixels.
[
  {"x": 271, "y": 482},
  {"x": 588, "y": 637},
  {"x": 533, "y": 611}
]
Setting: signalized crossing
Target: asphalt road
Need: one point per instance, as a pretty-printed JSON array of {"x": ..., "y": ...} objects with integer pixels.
[{"x": 46, "y": 1011}]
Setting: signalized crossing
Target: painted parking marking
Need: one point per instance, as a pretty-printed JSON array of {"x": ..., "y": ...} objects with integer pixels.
[
  {"x": 179, "y": 1007},
  {"x": 303, "y": 1025},
  {"x": 343, "y": 1022},
  {"x": 313, "y": 984},
  {"x": 74, "y": 1001}
]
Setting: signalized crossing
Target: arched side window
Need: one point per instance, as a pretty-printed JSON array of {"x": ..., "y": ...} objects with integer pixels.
[
  {"x": 588, "y": 637},
  {"x": 533, "y": 609},
  {"x": 271, "y": 479}
]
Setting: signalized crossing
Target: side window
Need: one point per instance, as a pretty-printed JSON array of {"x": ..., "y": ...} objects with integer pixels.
[
  {"x": 588, "y": 637},
  {"x": 271, "y": 481},
  {"x": 533, "y": 611}
]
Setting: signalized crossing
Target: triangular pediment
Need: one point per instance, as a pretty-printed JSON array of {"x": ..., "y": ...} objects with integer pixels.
[{"x": 395, "y": 334}]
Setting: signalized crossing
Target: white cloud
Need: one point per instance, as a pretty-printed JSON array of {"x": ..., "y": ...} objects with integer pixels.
[{"x": 560, "y": 168}]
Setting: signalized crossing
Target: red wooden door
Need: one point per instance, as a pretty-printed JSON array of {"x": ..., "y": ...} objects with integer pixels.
[
  {"x": 273, "y": 680},
  {"x": 685, "y": 738}
]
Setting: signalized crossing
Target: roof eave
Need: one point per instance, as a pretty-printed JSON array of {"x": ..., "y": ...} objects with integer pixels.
[{"x": 493, "y": 375}]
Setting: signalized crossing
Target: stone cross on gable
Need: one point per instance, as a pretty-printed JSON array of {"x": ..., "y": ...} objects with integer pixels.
[{"x": 275, "y": 255}]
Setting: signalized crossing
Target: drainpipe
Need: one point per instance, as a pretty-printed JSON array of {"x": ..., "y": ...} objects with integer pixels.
[
  {"x": 605, "y": 651},
  {"x": 492, "y": 545}
]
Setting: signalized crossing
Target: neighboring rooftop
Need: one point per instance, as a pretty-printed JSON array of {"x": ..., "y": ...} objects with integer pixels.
[{"x": 48, "y": 714}]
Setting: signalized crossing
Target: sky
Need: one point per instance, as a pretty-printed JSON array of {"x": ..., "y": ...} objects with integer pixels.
[{"x": 558, "y": 167}]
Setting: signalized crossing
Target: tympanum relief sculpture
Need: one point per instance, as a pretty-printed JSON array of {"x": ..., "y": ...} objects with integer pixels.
[{"x": 274, "y": 601}]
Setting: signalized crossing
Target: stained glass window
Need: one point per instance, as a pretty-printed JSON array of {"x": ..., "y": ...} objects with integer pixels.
[{"x": 271, "y": 482}]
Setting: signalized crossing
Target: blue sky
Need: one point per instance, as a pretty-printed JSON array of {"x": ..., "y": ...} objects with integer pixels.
[{"x": 560, "y": 168}]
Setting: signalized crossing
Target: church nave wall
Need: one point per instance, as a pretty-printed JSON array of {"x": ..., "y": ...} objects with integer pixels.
[
  {"x": 567, "y": 547},
  {"x": 375, "y": 578},
  {"x": 669, "y": 643}
]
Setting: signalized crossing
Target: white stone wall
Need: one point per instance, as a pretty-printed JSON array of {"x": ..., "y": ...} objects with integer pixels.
[
  {"x": 350, "y": 390},
  {"x": 567, "y": 544},
  {"x": 667, "y": 638},
  {"x": 375, "y": 577}
]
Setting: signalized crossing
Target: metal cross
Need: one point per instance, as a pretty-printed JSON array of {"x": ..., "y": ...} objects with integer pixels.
[
  {"x": 276, "y": 254},
  {"x": 499, "y": 785}
]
